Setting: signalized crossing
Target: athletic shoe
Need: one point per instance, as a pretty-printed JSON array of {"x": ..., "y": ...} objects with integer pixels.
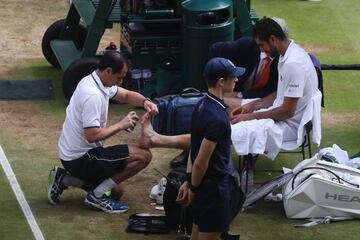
[
  {"x": 105, "y": 203},
  {"x": 56, "y": 187},
  {"x": 157, "y": 191}
]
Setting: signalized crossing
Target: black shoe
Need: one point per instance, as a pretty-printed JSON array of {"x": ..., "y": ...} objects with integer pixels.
[
  {"x": 179, "y": 160},
  {"x": 56, "y": 187}
]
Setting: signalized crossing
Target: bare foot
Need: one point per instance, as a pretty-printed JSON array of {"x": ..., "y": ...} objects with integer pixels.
[{"x": 147, "y": 132}]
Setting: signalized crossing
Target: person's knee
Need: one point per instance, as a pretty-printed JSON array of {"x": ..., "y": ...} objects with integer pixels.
[
  {"x": 141, "y": 156},
  {"x": 144, "y": 157}
]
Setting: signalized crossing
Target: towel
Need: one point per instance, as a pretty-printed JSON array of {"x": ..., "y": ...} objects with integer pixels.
[
  {"x": 312, "y": 113},
  {"x": 261, "y": 136},
  {"x": 264, "y": 136}
]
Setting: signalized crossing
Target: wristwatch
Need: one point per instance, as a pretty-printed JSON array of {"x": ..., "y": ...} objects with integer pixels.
[
  {"x": 194, "y": 189},
  {"x": 146, "y": 99}
]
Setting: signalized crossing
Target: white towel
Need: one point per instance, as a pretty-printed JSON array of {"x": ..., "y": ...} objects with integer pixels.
[
  {"x": 256, "y": 136},
  {"x": 312, "y": 113},
  {"x": 264, "y": 136}
]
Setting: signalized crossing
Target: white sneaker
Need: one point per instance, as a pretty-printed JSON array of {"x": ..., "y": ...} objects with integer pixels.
[{"x": 158, "y": 190}]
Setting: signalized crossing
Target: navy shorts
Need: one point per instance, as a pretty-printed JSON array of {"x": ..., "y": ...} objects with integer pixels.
[
  {"x": 211, "y": 209},
  {"x": 99, "y": 163}
]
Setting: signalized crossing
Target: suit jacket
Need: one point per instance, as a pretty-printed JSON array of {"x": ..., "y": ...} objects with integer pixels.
[{"x": 244, "y": 52}]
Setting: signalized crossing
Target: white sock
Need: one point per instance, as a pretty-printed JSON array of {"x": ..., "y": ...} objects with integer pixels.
[{"x": 103, "y": 187}]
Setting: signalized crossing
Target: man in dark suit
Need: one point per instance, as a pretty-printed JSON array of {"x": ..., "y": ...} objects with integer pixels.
[{"x": 244, "y": 52}]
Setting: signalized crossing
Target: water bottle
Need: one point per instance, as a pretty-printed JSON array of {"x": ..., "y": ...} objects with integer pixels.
[
  {"x": 146, "y": 77},
  {"x": 136, "y": 79}
]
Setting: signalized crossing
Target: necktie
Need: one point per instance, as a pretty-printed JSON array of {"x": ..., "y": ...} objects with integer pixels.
[{"x": 264, "y": 74}]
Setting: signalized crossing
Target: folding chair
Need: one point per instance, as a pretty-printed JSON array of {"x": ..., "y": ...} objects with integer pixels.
[{"x": 305, "y": 144}]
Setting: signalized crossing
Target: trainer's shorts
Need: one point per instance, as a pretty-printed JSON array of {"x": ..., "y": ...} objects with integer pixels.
[
  {"x": 99, "y": 163},
  {"x": 211, "y": 206}
]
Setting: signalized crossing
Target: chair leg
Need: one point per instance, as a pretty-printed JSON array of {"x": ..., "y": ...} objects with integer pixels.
[
  {"x": 247, "y": 173},
  {"x": 303, "y": 151},
  {"x": 309, "y": 146}
]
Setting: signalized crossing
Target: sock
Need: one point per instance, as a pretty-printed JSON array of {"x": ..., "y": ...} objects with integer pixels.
[{"x": 105, "y": 186}]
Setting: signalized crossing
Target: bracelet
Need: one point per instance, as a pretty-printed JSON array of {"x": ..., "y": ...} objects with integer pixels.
[{"x": 194, "y": 189}]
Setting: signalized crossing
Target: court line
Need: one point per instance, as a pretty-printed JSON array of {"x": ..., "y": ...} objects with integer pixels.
[{"x": 20, "y": 196}]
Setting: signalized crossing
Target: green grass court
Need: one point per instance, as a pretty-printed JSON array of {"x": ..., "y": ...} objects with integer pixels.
[{"x": 328, "y": 28}]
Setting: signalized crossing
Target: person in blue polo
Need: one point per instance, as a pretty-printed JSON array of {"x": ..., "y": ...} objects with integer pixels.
[{"x": 208, "y": 168}]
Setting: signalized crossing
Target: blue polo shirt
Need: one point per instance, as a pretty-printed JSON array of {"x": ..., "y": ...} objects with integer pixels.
[{"x": 210, "y": 120}]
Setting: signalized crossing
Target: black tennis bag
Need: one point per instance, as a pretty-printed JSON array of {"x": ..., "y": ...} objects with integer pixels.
[
  {"x": 147, "y": 224},
  {"x": 180, "y": 218},
  {"x": 173, "y": 210},
  {"x": 175, "y": 112}
]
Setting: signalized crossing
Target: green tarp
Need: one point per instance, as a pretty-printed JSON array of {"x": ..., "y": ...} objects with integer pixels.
[{"x": 26, "y": 90}]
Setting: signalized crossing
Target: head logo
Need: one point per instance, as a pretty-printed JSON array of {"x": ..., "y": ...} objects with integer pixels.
[{"x": 342, "y": 198}]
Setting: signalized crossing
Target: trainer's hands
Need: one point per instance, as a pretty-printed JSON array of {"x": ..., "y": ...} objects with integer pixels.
[
  {"x": 150, "y": 107},
  {"x": 129, "y": 121},
  {"x": 246, "y": 108},
  {"x": 243, "y": 113}
]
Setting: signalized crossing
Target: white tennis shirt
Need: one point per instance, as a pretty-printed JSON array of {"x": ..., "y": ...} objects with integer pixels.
[
  {"x": 88, "y": 108},
  {"x": 297, "y": 79}
]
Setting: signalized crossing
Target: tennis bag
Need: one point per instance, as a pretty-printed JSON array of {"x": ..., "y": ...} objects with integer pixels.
[
  {"x": 175, "y": 112},
  {"x": 180, "y": 218},
  {"x": 324, "y": 189},
  {"x": 147, "y": 223},
  {"x": 173, "y": 211}
]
